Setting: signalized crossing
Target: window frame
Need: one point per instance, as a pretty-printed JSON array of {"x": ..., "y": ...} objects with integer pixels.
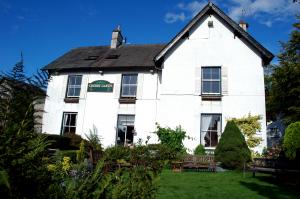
[
  {"x": 68, "y": 126},
  {"x": 117, "y": 127},
  {"x": 211, "y": 80},
  {"x": 136, "y": 85},
  {"x": 73, "y": 86},
  {"x": 202, "y": 133}
]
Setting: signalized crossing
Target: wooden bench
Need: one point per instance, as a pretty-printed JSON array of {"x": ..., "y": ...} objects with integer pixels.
[
  {"x": 195, "y": 162},
  {"x": 272, "y": 166}
]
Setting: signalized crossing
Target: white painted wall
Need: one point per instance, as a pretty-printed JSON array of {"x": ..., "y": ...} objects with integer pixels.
[
  {"x": 175, "y": 101},
  {"x": 100, "y": 109},
  {"x": 217, "y": 46}
]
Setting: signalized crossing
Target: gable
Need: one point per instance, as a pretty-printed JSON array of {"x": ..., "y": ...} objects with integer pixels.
[{"x": 211, "y": 9}]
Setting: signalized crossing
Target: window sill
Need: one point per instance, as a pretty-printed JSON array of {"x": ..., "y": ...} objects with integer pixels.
[
  {"x": 127, "y": 100},
  {"x": 71, "y": 100},
  {"x": 206, "y": 97}
]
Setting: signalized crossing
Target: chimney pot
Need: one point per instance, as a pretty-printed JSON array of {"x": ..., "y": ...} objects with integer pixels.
[{"x": 243, "y": 25}]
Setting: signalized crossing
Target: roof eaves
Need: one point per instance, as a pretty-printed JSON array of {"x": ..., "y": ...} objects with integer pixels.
[{"x": 181, "y": 33}]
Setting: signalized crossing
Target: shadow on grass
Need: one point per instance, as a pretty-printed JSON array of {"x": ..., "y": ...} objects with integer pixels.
[{"x": 270, "y": 187}]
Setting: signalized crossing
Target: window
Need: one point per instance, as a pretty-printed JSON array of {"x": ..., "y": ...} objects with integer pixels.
[
  {"x": 69, "y": 123},
  {"x": 210, "y": 129},
  {"x": 211, "y": 80},
  {"x": 125, "y": 130},
  {"x": 129, "y": 85},
  {"x": 74, "y": 85}
]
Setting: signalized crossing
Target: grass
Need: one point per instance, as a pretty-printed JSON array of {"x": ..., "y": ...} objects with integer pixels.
[{"x": 223, "y": 185}]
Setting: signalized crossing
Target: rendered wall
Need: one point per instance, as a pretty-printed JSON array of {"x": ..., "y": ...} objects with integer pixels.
[{"x": 171, "y": 99}]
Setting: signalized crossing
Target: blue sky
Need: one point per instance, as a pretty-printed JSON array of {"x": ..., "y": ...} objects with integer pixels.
[{"x": 45, "y": 29}]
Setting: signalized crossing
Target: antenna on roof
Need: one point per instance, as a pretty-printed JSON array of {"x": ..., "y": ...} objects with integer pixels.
[
  {"x": 243, "y": 24},
  {"x": 21, "y": 56},
  {"x": 243, "y": 13}
]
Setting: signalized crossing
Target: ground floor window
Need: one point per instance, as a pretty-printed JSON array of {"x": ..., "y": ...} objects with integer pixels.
[
  {"x": 69, "y": 122},
  {"x": 210, "y": 129},
  {"x": 125, "y": 130}
]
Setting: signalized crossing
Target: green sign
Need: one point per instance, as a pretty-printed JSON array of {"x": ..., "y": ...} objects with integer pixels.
[{"x": 100, "y": 86}]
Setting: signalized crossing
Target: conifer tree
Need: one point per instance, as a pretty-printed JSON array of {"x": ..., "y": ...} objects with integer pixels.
[{"x": 232, "y": 150}]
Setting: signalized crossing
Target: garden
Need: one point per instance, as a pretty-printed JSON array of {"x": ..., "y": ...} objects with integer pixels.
[{"x": 35, "y": 165}]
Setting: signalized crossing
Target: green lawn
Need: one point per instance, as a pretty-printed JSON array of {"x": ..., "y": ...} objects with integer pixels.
[{"x": 221, "y": 185}]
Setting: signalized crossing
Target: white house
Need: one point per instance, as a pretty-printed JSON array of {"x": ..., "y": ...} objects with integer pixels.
[{"x": 212, "y": 70}]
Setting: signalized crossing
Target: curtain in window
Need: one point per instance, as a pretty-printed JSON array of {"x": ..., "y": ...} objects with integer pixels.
[
  {"x": 210, "y": 129},
  {"x": 205, "y": 124}
]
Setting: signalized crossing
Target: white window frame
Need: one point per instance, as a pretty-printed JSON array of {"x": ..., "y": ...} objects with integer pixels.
[
  {"x": 211, "y": 80},
  {"x": 130, "y": 85},
  {"x": 203, "y": 132},
  {"x": 64, "y": 125},
  {"x": 69, "y": 86}
]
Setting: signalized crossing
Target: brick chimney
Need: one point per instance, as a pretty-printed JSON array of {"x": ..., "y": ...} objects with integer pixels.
[
  {"x": 244, "y": 25},
  {"x": 116, "y": 38}
]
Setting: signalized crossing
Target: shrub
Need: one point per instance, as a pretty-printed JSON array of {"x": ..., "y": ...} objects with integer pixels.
[
  {"x": 137, "y": 178},
  {"x": 272, "y": 152},
  {"x": 291, "y": 141},
  {"x": 249, "y": 125},
  {"x": 173, "y": 139},
  {"x": 199, "y": 150},
  {"x": 60, "y": 154},
  {"x": 232, "y": 150},
  {"x": 94, "y": 139},
  {"x": 80, "y": 154},
  {"x": 113, "y": 154},
  {"x": 75, "y": 139}
]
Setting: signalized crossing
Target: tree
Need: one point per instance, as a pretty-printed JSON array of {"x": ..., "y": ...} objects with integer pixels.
[
  {"x": 22, "y": 167},
  {"x": 232, "y": 150},
  {"x": 283, "y": 96},
  {"x": 249, "y": 125},
  {"x": 291, "y": 141}
]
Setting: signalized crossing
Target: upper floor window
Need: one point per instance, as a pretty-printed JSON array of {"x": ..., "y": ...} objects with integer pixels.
[
  {"x": 129, "y": 85},
  {"x": 74, "y": 85},
  {"x": 69, "y": 122},
  {"x": 211, "y": 80}
]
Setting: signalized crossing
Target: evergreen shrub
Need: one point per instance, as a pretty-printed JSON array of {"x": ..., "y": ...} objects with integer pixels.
[
  {"x": 291, "y": 141},
  {"x": 232, "y": 150}
]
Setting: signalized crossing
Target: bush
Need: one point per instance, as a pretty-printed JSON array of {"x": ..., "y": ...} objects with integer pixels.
[
  {"x": 112, "y": 154},
  {"x": 232, "y": 150},
  {"x": 173, "y": 139},
  {"x": 135, "y": 178},
  {"x": 66, "y": 142},
  {"x": 291, "y": 141},
  {"x": 60, "y": 154},
  {"x": 199, "y": 150}
]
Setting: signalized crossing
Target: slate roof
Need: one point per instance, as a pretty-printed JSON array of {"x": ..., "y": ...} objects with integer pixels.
[
  {"x": 103, "y": 57},
  {"x": 147, "y": 55},
  {"x": 210, "y": 8}
]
